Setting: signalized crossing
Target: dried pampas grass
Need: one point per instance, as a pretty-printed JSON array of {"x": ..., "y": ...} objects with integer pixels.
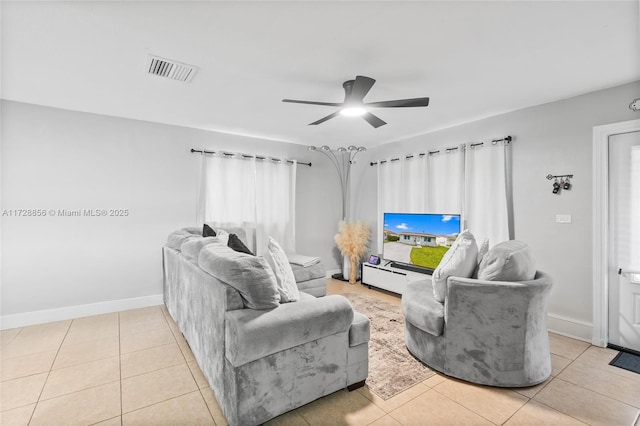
[{"x": 352, "y": 240}]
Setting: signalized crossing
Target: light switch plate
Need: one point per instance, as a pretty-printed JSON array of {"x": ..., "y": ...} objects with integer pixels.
[{"x": 563, "y": 218}]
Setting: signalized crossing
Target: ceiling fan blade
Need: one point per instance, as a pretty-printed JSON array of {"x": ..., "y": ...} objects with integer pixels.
[
  {"x": 294, "y": 101},
  {"x": 400, "y": 103},
  {"x": 373, "y": 120},
  {"x": 361, "y": 87},
  {"x": 322, "y": 120}
]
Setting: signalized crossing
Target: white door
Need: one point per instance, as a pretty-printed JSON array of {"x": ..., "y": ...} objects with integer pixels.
[{"x": 624, "y": 244}]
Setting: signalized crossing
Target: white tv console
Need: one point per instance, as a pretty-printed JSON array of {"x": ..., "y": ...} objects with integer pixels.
[{"x": 389, "y": 278}]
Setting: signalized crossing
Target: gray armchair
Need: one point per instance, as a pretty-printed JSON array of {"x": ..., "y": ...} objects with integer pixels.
[{"x": 488, "y": 332}]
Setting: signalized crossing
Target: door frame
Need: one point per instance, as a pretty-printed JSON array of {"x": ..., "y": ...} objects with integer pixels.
[{"x": 600, "y": 259}]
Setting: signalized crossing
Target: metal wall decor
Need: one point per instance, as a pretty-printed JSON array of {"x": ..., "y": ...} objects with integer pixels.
[{"x": 560, "y": 182}]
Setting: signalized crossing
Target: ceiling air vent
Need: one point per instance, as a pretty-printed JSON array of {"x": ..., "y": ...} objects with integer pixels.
[{"x": 170, "y": 69}]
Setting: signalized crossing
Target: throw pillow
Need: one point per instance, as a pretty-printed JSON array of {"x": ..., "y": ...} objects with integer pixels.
[
  {"x": 508, "y": 261},
  {"x": 482, "y": 250},
  {"x": 285, "y": 279},
  {"x": 208, "y": 231},
  {"x": 250, "y": 275},
  {"x": 459, "y": 261},
  {"x": 236, "y": 244}
]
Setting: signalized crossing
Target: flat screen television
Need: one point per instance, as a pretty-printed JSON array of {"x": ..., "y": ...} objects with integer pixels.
[{"x": 418, "y": 241}]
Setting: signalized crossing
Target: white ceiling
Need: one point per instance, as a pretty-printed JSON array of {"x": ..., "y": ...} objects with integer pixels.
[{"x": 473, "y": 59}]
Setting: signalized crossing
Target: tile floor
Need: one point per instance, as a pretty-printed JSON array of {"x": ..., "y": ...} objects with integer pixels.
[{"x": 135, "y": 368}]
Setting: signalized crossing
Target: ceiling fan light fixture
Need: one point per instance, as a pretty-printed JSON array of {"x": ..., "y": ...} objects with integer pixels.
[{"x": 353, "y": 111}]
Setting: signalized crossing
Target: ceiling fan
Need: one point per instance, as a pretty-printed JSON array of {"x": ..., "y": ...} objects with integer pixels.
[{"x": 354, "y": 105}]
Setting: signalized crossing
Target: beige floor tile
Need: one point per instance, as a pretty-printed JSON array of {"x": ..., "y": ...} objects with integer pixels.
[
  {"x": 601, "y": 381},
  {"x": 434, "y": 408},
  {"x": 292, "y": 418},
  {"x": 6, "y": 336},
  {"x": 558, "y": 364},
  {"x": 199, "y": 377},
  {"x": 214, "y": 407},
  {"x": 39, "y": 330},
  {"x": 82, "y": 376},
  {"x": 531, "y": 391},
  {"x": 74, "y": 353},
  {"x": 385, "y": 421},
  {"x": 566, "y": 347},
  {"x": 534, "y": 413},
  {"x": 93, "y": 328},
  {"x": 434, "y": 380},
  {"x": 188, "y": 409},
  {"x": 601, "y": 357},
  {"x": 80, "y": 408},
  {"x": 20, "y": 392},
  {"x": 150, "y": 339},
  {"x": 146, "y": 360},
  {"x": 585, "y": 405},
  {"x": 184, "y": 347},
  {"x": 18, "y": 416},
  {"x": 174, "y": 327},
  {"x": 141, "y": 315},
  {"x": 341, "y": 408},
  {"x": 26, "y": 365},
  {"x": 37, "y": 338},
  {"x": 494, "y": 404},
  {"x": 137, "y": 327},
  {"x": 116, "y": 421},
  {"x": 396, "y": 401},
  {"x": 156, "y": 386}
]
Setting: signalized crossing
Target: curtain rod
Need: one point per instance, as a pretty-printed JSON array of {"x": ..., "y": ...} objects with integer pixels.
[
  {"x": 257, "y": 157},
  {"x": 506, "y": 140}
]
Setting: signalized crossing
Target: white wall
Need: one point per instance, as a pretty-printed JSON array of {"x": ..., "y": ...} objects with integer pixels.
[
  {"x": 554, "y": 138},
  {"x": 57, "y": 159}
]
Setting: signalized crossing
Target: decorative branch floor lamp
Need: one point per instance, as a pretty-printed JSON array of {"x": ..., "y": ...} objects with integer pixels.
[{"x": 342, "y": 159}]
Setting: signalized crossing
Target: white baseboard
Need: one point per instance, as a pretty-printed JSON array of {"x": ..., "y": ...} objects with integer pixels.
[
  {"x": 79, "y": 311},
  {"x": 570, "y": 327}
]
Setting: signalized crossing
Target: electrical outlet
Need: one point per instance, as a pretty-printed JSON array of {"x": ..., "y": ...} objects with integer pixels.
[{"x": 563, "y": 218}]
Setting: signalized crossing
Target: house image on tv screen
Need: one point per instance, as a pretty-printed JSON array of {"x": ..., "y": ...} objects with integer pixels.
[{"x": 420, "y": 239}]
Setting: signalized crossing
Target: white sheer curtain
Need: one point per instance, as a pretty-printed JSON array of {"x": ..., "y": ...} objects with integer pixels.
[
  {"x": 445, "y": 178},
  {"x": 466, "y": 180},
  {"x": 256, "y": 195},
  {"x": 486, "y": 211}
]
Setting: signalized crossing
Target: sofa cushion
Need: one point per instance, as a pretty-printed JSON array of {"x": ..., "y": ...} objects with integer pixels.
[
  {"x": 360, "y": 330},
  {"x": 250, "y": 275},
  {"x": 459, "y": 261},
  {"x": 421, "y": 309},
  {"x": 312, "y": 272},
  {"x": 508, "y": 261},
  {"x": 179, "y": 237},
  {"x": 284, "y": 275},
  {"x": 316, "y": 287},
  {"x": 251, "y": 334},
  {"x": 192, "y": 247}
]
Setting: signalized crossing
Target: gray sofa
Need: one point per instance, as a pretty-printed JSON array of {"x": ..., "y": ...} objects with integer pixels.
[
  {"x": 261, "y": 363},
  {"x": 487, "y": 332}
]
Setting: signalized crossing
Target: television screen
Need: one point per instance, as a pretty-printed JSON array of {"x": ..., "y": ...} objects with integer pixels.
[{"x": 419, "y": 239}]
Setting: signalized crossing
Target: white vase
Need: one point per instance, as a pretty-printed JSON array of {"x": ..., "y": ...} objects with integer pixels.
[{"x": 346, "y": 268}]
